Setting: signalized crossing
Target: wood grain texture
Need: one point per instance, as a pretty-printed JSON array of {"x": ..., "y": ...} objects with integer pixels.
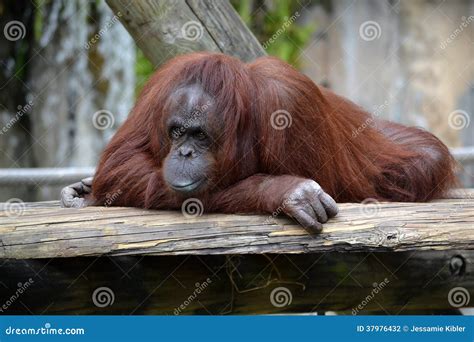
[
  {"x": 164, "y": 29},
  {"x": 242, "y": 284},
  {"x": 44, "y": 230},
  {"x": 227, "y": 29}
]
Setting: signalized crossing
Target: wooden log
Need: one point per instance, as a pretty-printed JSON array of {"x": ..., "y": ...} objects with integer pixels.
[
  {"x": 44, "y": 230},
  {"x": 301, "y": 273},
  {"x": 164, "y": 29},
  {"x": 355, "y": 283}
]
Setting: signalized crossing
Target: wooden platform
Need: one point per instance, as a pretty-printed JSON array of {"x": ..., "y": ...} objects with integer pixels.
[{"x": 242, "y": 259}]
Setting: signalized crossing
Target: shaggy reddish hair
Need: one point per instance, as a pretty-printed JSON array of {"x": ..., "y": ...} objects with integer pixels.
[{"x": 329, "y": 139}]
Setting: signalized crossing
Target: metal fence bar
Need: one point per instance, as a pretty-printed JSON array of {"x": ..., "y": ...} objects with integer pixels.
[
  {"x": 67, "y": 175},
  {"x": 464, "y": 154},
  {"x": 44, "y": 176}
]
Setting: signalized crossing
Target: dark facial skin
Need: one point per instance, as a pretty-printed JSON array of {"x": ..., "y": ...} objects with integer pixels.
[{"x": 189, "y": 162}]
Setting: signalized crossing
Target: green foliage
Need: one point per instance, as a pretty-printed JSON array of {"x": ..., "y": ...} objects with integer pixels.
[
  {"x": 38, "y": 20},
  {"x": 143, "y": 69},
  {"x": 276, "y": 26},
  {"x": 274, "y": 23}
]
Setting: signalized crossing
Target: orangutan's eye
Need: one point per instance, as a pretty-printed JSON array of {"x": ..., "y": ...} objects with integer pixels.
[
  {"x": 175, "y": 132},
  {"x": 200, "y": 135}
]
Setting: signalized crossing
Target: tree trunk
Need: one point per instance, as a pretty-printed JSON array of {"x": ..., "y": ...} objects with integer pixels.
[
  {"x": 85, "y": 65},
  {"x": 15, "y": 123},
  {"x": 164, "y": 29}
]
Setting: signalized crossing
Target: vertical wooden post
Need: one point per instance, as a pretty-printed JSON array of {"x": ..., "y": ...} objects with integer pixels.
[{"x": 164, "y": 29}]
